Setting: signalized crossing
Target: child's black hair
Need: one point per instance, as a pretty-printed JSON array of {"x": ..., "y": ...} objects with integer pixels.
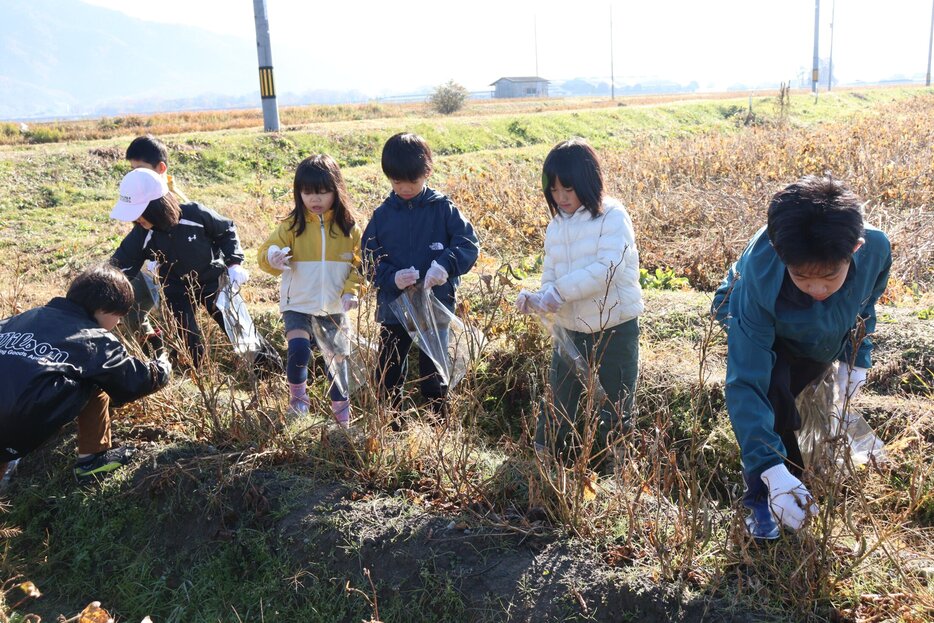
[
  {"x": 817, "y": 221},
  {"x": 163, "y": 213},
  {"x": 321, "y": 174},
  {"x": 102, "y": 287},
  {"x": 148, "y": 149},
  {"x": 575, "y": 165},
  {"x": 407, "y": 157}
]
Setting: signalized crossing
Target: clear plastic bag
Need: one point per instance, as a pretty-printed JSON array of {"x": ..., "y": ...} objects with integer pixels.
[
  {"x": 342, "y": 349},
  {"x": 568, "y": 350},
  {"x": 451, "y": 344},
  {"x": 238, "y": 324},
  {"x": 824, "y": 420},
  {"x": 152, "y": 286}
]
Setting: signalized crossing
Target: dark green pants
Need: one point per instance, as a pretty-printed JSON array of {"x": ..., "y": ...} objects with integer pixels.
[{"x": 617, "y": 355}]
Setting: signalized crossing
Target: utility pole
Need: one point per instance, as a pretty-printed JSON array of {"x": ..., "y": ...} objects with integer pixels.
[
  {"x": 815, "y": 70},
  {"x": 535, "y": 32},
  {"x": 267, "y": 87},
  {"x": 833, "y": 11},
  {"x": 612, "y": 74},
  {"x": 927, "y": 82}
]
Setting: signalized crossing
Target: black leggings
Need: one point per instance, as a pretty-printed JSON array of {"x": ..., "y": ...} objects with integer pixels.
[{"x": 181, "y": 299}]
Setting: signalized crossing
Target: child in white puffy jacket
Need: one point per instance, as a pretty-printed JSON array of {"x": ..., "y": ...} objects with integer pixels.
[{"x": 590, "y": 283}]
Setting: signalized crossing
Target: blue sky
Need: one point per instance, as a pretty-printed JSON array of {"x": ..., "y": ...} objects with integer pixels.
[{"x": 376, "y": 47}]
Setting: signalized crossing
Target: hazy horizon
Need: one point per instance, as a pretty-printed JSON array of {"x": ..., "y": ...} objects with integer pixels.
[{"x": 382, "y": 49}]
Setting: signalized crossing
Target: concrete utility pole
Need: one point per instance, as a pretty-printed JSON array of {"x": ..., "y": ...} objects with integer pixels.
[
  {"x": 927, "y": 82},
  {"x": 833, "y": 11},
  {"x": 535, "y": 34},
  {"x": 815, "y": 71},
  {"x": 612, "y": 75},
  {"x": 267, "y": 87}
]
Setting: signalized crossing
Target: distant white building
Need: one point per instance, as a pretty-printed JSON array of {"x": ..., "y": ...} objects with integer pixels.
[{"x": 521, "y": 86}]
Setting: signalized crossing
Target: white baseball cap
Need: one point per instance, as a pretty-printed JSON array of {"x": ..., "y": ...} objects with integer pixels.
[{"x": 137, "y": 189}]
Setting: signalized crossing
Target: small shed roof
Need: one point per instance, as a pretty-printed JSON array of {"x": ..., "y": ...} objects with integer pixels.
[{"x": 520, "y": 79}]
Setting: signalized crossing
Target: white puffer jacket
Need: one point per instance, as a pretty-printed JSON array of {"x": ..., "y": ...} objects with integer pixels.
[{"x": 594, "y": 265}]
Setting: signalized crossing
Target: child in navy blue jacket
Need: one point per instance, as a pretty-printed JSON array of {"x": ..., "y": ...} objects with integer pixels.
[
  {"x": 61, "y": 362},
  {"x": 415, "y": 236},
  {"x": 801, "y": 296}
]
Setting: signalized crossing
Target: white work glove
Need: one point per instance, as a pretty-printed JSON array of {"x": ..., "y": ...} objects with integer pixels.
[
  {"x": 349, "y": 301},
  {"x": 278, "y": 258},
  {"x": 551, "y": 301},
  {"x": 152, "y": 267},
  {"x": 790, "y": 501},
  {"x": 435, "y": 275},
  {"x": 238, "y": 275},
  {"x": 849, "y": 380},
  {"x": 405, "y": 277},
  {"x": 164, "y": 367},
  {"x": 528, "y": 302}
]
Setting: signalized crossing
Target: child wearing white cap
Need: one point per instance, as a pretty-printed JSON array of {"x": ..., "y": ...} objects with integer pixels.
[{"x": 192, "y": 244}]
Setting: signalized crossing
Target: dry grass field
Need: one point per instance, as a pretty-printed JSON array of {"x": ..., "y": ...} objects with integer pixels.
[{"x": 234, "y": 513}]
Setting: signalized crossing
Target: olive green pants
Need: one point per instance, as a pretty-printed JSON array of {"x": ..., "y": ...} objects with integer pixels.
[{"x": 616, "y": 353}]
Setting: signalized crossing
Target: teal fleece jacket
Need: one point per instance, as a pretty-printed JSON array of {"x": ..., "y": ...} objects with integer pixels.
[{"x": 757, "y": 305}]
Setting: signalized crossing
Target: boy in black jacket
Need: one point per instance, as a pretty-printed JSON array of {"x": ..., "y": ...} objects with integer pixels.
[
  {"x": 417, "y": 235},
  {"x": 61, "y": 362}
]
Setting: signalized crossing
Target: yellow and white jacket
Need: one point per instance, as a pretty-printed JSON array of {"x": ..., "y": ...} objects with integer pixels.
[{"x": 324, "y": 264}]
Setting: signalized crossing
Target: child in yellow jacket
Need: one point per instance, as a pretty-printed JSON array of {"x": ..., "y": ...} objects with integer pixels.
[{"x": 316, "y": 250}]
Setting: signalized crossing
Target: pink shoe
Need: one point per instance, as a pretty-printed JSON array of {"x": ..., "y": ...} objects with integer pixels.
[
  {"x": 298, "y": 399},
  {"x": 341, "y": 411}
]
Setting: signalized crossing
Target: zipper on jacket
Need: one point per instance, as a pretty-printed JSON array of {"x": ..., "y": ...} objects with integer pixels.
[{"x": 321, "y": 272}]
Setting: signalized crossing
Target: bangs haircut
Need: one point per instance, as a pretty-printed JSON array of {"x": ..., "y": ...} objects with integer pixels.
[
  {"x": 102, "y": 287},
  {"x": 574, "y": 164},
  {"x": 407, "y": 157},
  {"x": 321, "y": 174},
  {"x": 163, "y": 213},
  {"x": 817, "y": 221},
  {"x": 148, "y": 149}
]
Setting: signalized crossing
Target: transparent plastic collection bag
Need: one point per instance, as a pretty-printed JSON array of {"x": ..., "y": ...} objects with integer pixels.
[
  {"x": 152, "y": 286},
  {"x": 568, "y": 351},
  {"x": 451, "y": 344},
  {"x": 238, "y": 324},
  {"x": 824, "y": 420},
  {"x": 343, "y": 350}
]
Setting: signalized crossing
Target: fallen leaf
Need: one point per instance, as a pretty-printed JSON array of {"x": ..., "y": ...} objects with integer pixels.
[
  {"x": 30, "y": 589},
  {"x": 93, "y": 613}
]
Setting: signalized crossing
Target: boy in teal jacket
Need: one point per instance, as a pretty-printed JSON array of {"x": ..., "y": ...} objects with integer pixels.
[{"x": 801, "y": 296}]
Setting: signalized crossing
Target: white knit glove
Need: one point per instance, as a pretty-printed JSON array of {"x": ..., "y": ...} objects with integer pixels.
[
  {"x": 278, "y": 258},
  {"x": 436, "y": 275},
  {"x": 551, "y": 301},
  {"x": 238, "y": 274},
  {"x": 849, "y": 380},
  {"x": 349, "y": 301},
  {"x": 405, "y": 277},
  {"x": 151, "y": 267},
  {"x": 790, "y": 501}
]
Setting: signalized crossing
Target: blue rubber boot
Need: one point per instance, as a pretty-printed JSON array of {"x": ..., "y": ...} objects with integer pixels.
[{"x": 760, "y": 523}]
